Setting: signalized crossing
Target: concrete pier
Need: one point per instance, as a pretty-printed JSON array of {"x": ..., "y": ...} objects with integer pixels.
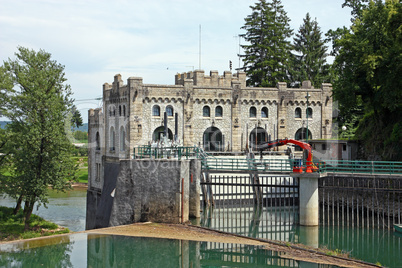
[{"x": 308, "y": 198}]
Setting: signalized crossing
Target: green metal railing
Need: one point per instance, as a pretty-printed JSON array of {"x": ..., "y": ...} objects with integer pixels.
[
  {"x": 238, "y": 164},
  {"x": 287, "y": 165},
  {"x": 273, "y": 165},
  {"x": 363, "y": 167},
  {"x": 147, "y": 151}
]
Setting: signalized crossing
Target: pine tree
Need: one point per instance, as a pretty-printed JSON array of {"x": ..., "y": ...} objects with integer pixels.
[
  {"x": 267, "y": 54},
  {"x": 309, "y": 62}
]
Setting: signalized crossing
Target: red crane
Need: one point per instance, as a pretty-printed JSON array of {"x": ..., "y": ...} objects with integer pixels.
[{"x": 310, "y": 167}]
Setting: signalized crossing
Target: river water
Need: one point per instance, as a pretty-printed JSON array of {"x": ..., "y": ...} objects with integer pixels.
[
  {"x": 92, "y": 250},
  {"x": 372, "y": 245},
  {"x": 65, "y": 209}
]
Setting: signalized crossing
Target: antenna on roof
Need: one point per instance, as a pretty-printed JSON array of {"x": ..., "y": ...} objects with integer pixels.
[{"x": 199, "y": 56}]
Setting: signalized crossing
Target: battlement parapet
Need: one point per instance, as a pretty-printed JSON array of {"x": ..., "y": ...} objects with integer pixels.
[
  {"x": 212, "y": 80},
  {"x": 95, "y": 116}
]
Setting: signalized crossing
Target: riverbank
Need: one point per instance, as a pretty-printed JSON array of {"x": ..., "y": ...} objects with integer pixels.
[
  {"x": 79, "y": 185},
  {"x": 194, "y": 233},
  {"x": 12, "y": 227}
]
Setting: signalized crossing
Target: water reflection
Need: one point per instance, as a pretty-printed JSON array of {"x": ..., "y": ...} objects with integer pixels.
[
  {"x": 371, "y": 245},
  {"x": 50, "y": 252},
  {"x": 92, "y": 250}
]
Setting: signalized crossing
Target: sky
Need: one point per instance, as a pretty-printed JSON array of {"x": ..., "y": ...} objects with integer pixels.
[{"x": 154, "y": 39}]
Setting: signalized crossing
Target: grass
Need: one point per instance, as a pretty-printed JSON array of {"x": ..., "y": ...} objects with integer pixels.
[
  {"x": 82, "y": 172},
  {"x": 12, "y": 226}
]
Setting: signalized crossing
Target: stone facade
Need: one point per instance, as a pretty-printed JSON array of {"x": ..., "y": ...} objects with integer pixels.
[{"x": 217, "y": 112}]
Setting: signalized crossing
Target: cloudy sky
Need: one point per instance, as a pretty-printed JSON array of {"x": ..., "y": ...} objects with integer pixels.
[{"x": 154, "y": 39}]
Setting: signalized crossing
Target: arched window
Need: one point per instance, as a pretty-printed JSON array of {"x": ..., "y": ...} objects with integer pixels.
[
  {"x": 114, "y": 112},
  {"x": 309, "y": 112},
  {"x": 169, "y": 110},
  {"x": 156, "y": 110},
  {"x": 264, "y": 112},
  {"x": 112, "y": 139},
  {"x": 124, "y": 110},
  {"x": 97, "y": 141},
  {"x": 298, "y": 113},
  {"x": 206, "y": 111},
  {"x": 253, "y": 112},
  {"x": 218, "y": 111},
  {"x": 122, "y": 139},
  {"x": 119, "y": 110}
]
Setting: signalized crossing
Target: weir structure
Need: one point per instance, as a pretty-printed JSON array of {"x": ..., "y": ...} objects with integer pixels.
[{"x": 170, "y": 184}]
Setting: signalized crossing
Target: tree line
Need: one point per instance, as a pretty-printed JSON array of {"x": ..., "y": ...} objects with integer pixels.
[{"x": 366, "y": 72}]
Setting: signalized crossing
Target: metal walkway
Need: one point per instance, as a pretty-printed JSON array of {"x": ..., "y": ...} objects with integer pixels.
[
  {"x": 285, "y": 166},
  {"x": 273, "y": 166}
]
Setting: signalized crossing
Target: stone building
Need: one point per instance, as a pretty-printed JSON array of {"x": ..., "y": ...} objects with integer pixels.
[{"x": 217, "y": 112}]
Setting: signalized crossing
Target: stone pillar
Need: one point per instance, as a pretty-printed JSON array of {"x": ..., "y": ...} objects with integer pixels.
[
  {"x": 282, "y": 110},
  {"x": 308, "y": 198},
  {"x": 135, "y": 107},
  {"x": 188, "y": 115},
  {"x": 235, "y": 141},
  {"x": 195, "y": 188},
  {"x": 309, "y": 236}
]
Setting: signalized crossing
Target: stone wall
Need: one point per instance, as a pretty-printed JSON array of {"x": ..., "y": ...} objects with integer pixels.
[{"x": 142, "y": 190}]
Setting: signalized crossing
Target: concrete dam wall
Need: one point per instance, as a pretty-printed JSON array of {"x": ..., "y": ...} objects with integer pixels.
[{"x": 141, "y": 190}]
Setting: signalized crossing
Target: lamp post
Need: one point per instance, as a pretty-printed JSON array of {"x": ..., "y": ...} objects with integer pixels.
[{"x": 307, "y": 112}]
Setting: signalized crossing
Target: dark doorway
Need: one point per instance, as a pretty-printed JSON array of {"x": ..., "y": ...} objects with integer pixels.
[
  {"x": 213, "y": 139},
  {"x": 159, "y": 132},
  {"x": 257, "y": 136},
  {"x": 301, "y": 134}
]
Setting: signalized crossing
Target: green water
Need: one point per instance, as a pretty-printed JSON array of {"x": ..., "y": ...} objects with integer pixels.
[
  {"x": 367, "y": 244},
  {"x": 91, "y": 250},
  {"x": 372, "y": 245}
]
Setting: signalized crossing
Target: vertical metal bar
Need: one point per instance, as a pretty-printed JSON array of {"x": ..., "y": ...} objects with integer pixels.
[
  {"x": 333, "y": 200},
  {"x": 343, "y": 205},
  {"x": 388, "y": 201},
  {"x": 182, "y": 200},
  {"x": 347, "y": 206},
  {"x": 372, "y": 206}
]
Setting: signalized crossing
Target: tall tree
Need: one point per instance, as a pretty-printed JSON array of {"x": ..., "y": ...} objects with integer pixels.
[
  {"x": 76, "y": 119},
  {"x": 368, "y": 68},
  {"x": 267, "y": 52},
  {"x": 37, "y": 105},
  {"x": 310, "y": 57}
]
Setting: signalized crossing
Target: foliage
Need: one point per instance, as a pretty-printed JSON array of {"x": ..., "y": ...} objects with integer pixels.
[
  {"x": 80, "y": 151},
  {"x": 311, "y": 52},
  {"x": 12, "y": 226},
  {"x": 267, "y": 54},
  {"x": 81, "y": 135},
  {"x": 76, "y": 119},
  {"x": 368, "y": 65},
  {"x": 37, "y": 105},
  {"x": 357, "y": 7}
]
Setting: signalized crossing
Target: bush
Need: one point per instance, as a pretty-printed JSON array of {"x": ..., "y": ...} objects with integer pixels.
[
  {"x": 81, "y": 135},
  {"x": 80, "y": 151}
]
